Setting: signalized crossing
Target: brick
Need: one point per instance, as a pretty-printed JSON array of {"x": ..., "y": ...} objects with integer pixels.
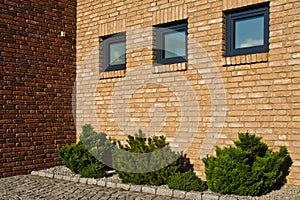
[
  {"x": 261, "y": 89},
  {"x": 44, "y": 70}
]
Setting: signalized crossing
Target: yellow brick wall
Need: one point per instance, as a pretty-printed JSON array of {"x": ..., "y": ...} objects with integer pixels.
[{"x": 203, "y": 102}]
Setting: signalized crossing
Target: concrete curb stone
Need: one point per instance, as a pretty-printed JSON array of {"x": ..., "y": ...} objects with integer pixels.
[
  {"x": 83, "y": 180},
  {"x": 74, "y": 179},
  {"x": 179, "y": 194},
  {"x": 43, "y": 174},
  {"x": 48, "y": 175},
  {"x": 227, "y": 197},
  {"x": 56, "y": 176},
  {"x": 209, "y": 196},
  {"x": 35, "y": 173},
  {"x": 101, "y": 183},
  {"x": 151, "y": 190},
  {"x": 194, "y": 195},
  {"x": 164, "y": 192},
  {"x": 111, "y": 185},
  {"x": 136, "y": 188},
  {"x": 91, "y": 181},
  {"x": 123, "y": 186}
]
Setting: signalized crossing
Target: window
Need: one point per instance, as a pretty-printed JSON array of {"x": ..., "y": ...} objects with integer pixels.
[
  {"x": 247, "y": 31},
  {"x": 171, "y": 44},
  {"x": 114, "y": 53}
]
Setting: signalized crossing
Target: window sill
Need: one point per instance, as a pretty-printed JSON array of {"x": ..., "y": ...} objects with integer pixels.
[
  {"x": 112, "y": 74},
  {"x": 170, "y": 67},
  {"x": 245, "y": 59}
]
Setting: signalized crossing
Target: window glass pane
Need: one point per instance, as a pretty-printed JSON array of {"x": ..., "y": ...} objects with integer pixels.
[
  {"x": 175, "y": 44},
  {"x": 249, "y": 32},
  {"x": 117, "y": 53}
]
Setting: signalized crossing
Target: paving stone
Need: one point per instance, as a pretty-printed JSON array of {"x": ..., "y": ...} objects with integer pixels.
[
  {"x": 127, "y": 196},
  {"x": 145, "y": 197},
  {"x": 97, "y": 196},
  {"x": 91, "y": 193},
  {"x": 116, "y": 195},
  {"x": 29, "y": 187},
  {"x": 105, "y": 197}
]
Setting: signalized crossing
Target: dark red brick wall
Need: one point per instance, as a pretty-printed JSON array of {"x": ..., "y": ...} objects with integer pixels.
[{"x": 37, "y": 74}]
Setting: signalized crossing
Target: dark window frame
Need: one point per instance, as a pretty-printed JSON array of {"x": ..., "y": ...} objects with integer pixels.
[
  {"x": 230, "y": 31},
  {"x": 107, "y": 41},
  {"x": 160, "y": 44}
]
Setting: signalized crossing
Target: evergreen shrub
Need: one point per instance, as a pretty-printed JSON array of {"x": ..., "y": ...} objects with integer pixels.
[
  {"x": 249, "y": 168},
  {"x": 140, "y": 153},
  {"x": 76, "y": 157},
  {"x": 84, "y": 157},
  {"x": 187, "y": 181},
  {"x": 97, "y": 144}
]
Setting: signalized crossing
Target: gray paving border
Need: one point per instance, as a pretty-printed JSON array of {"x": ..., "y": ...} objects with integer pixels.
[
  {"x": 286, "y": 192},
  {"x": 137, "y": 188}
]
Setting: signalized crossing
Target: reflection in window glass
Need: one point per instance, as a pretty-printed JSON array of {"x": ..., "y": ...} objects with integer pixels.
[
  {"x": 175, "y": 44},
  {"x": 117, "y": 53},
  {"x": 249, "y": 32}
]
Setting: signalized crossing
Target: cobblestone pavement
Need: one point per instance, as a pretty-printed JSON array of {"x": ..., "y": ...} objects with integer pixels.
[{"x": 28, "y": 187}]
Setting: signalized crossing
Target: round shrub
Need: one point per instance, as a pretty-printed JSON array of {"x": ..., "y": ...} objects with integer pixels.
[
  {"x": 97, "y": 144},
  {"x": 155, "y": 154},
  {"x": 249, "y": 168},
  {"x": 76, "y": 156},
  {"x": 187, "y": 181},
  {"x": 86, "y": 156}
]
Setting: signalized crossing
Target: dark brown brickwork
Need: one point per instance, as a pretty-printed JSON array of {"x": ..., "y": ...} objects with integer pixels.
[{"x": 37, "y": 74}]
